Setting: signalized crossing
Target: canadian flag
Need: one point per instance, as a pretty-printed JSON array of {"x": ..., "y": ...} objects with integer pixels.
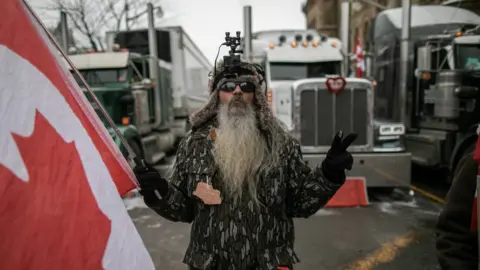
[
  {"x": 61, "y": 175},
  {"x": 360, "y": 60}
]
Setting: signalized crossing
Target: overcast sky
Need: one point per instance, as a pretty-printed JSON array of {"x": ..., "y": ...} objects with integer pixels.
[{"x": 206, "y": 21}]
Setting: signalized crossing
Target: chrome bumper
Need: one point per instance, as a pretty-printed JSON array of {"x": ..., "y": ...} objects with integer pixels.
[{"x": 379, "y": 169}]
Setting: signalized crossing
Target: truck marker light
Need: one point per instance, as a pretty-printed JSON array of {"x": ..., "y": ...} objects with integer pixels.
[
  {"x": 426, "y": 76},
  {"x": 315, "y": 43},
  {"x": 305, "y": 44},
  {"x": 294, "y": 44},
  {"x": 125, "y": 121},
  {"x": 334, "y": 44},
  {"x": 271, "y": 45},
  {"x": 298, "y": 38}
]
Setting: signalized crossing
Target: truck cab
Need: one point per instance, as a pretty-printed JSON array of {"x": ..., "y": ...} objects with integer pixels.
[
  {"x": 447, "y": 97},
  {"x": 299, "y": 66},
  {"x": 291, "y": 55},
  {"x": 442, "y": 94},
  {"x": 121, "y": 82}
]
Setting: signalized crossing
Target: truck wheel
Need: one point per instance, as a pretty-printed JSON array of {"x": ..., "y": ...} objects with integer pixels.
[{"x": 459, "y": 163}]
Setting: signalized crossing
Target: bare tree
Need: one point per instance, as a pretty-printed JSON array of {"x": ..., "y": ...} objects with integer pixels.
[
  {"x": 91, "y": 18},
  {"x": 128, "y": 11}
]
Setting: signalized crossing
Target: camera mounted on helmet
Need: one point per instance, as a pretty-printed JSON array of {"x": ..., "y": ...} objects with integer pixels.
[
  {"x": 233, "y": 67},
  {"x": 231, "y": 62}
]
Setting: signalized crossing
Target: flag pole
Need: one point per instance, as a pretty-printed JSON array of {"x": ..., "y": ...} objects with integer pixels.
[{"x": 130, "y": 152}]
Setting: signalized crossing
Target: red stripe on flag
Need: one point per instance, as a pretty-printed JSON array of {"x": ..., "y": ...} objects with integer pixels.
[
  {"x": 476, "y": 153},
  {"x": 15, "y": 20}
]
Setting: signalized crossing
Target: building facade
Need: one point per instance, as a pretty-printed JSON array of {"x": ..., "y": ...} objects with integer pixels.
[{"x": 324, "y": 15}]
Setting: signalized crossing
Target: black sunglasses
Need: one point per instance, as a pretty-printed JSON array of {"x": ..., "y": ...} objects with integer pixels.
[{"x": 246, "y": 87}]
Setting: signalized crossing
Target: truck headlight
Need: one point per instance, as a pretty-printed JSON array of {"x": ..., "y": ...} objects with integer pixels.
[{"x": 391, "y": 130}]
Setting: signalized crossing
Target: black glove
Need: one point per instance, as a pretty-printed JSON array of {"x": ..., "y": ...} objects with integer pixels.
[
  {"x": 338, "y": 158},
  {"x": 150, "y": 180}
]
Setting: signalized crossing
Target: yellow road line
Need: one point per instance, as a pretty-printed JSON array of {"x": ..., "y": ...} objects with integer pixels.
[
  {"x": 415, "y": 188},
  {"x": 389, "y": 251},
  {"x": 386, "y": 253},
  {"x": 428, "y": 194}
]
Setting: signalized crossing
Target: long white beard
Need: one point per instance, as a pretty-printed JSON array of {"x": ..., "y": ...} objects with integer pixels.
[{"x": 239, "y": 150}]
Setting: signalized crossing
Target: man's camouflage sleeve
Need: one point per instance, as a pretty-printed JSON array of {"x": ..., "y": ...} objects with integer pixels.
[
  {"x": 176, "y": 205},
  {"x": 308, "y": 190}
]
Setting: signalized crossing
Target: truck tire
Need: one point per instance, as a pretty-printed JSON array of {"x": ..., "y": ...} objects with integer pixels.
[{"x": 470, "y": 149}]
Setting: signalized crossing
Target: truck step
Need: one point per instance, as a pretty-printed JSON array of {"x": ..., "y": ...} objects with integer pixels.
[{"x": 425, "y": 147}]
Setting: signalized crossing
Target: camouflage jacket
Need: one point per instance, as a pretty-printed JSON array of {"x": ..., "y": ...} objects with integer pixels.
[{"x": 236, "y": 235}]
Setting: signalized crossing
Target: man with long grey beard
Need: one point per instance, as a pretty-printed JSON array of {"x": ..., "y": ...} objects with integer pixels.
[{"x": 240, "y": 179}]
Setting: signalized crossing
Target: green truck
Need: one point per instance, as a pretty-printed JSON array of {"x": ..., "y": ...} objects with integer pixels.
[
  {"x": 121, "y": 82},
  {"x": 149, "y": 104}
]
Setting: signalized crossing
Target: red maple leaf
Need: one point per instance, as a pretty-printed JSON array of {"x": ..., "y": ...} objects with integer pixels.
[{"x": 52, "y": 221}]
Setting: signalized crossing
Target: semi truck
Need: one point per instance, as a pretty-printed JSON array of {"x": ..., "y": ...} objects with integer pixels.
[
  {"x": 442, "y": 111},
  {"x": 190, "y": 67},
  {"x": 299, "y": 66},
  {"x": 149, "y": 108}
]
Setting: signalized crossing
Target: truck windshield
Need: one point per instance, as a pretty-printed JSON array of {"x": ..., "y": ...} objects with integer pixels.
[
  {"x": 297, "y": 71},
  {"x": 110, "y": 100},
  {"x": 102, "y": 76},
  {"x": 468, "y": 56}
]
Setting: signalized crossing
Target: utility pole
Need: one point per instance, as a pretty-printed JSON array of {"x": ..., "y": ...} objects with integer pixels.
[
  {"x": 404, "y": 53},
  {"x": 64, "y": 30},
  {"x": 396, "y": 3},
  {"x": 374, "y": 3},
  {"x": 247, "y": 31},
  {"x": 345, "y": 33},
  {"x": 126, "y": 15}
]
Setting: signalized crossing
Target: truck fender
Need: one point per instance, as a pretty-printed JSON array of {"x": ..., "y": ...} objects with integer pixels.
[
  {"x": 468, "y": 139},
  {"x": 138, "y": 140},
  {"x": 133, "y": 135}
]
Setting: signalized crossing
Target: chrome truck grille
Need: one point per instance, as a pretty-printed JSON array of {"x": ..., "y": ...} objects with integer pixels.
[{"x": 319, "y": 114}]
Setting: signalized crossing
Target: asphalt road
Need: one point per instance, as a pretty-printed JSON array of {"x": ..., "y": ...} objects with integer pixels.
[{"x": 388, "y": 234}]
